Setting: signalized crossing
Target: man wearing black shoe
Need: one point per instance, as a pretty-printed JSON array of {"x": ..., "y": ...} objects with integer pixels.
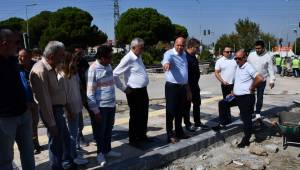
[
  {"x": 247, "y": 79},
  {"x": 224, "y": 71},
  {"x": 176, "y": 88},
  {"x": 193, "y": 79}
]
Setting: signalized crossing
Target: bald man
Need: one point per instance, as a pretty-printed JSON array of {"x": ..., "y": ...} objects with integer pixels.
[
  {"x": 176, "y": 89},
  {"x": 246, "y": 80}
]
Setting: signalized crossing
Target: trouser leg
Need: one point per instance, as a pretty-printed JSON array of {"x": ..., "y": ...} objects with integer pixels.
[{"x": 260, "y": 97}]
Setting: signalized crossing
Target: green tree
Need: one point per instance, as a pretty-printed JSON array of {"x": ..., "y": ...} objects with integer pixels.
[
  {"x": 38, "y": 24},
  {"x": 72, "y": 26},
  {"x": 231, "y": 40},
  {"x": 269, "y": 39},
  {"x": 14, "y": 23},
  {"x": 145, "y": 23},
  {"x": 247, "y": 33},
  {"x": 180, "y": 31},
  {"x": 297, "y": 41}
]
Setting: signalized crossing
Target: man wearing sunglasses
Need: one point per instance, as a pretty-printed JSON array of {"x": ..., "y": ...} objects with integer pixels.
[
  {"x": 261, "y": 60},
  {"x": 246, "y": 80},
  {"x": 224, "y": 71}
]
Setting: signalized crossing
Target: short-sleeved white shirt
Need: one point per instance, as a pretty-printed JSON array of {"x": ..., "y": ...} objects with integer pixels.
[
  {"x": 244, "y": 77},
  {"x": 227, "y": 67}
]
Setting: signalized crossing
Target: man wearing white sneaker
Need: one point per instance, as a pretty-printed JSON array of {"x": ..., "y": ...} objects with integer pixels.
[{"x": 102, "y": 102}]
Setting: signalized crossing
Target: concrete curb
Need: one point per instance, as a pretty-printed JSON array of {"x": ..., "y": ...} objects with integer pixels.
[
  {"x": 168, "y": 153},
  {"x": 162, "y": 156}
]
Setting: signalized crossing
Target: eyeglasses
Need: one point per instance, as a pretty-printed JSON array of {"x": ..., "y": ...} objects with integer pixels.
[
  {"x": 227, "y": 51},
  {"x": 238, "y": 58}
]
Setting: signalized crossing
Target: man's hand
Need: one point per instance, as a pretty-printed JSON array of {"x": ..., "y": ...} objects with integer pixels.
[
  {"x": 252, "y": 90},
  {"x": 128, "y": 90},
  {"x": 167, "y": 67},
  {"x": 224, "y": 83},
  {"x": 53, "y": 130},
  {"x": 98, "y": 117},
  {"x": 271, "y": 85}
]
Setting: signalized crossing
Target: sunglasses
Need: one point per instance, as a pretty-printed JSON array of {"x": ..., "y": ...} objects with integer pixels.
[
  {"x": 227, "y": 51},
  {"x": 238, "y": 58}
]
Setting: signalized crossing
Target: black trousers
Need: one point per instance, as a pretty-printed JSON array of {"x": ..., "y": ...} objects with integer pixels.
[
  {"x": 175, "y": 99},
  {"x": 260, "y": 96},
  {"x": 196, "y": 100},
  {"x": 224, "y": 111},
  {"x": 246, "y": 106},
  {"x": 226, "y": 89},
  {"x": 138, "y": 102},
  {"x": 224, "y": 106}
]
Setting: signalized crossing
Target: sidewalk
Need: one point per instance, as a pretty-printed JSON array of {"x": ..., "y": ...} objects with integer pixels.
[{"x": 158, "y": 153}]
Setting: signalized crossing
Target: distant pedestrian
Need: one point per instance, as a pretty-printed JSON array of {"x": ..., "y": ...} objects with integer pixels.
[
  {"x": 102, "y": 101},
  {"x": 278, "y": 61},
  {"x": 135, "y": 88},
  {"x": 193, "y": 79},
  {"x": 295, "y": 66},
  {"x": 176, "y": 89},
  {"x": 15, "y": 118},
  {"x": 261, "y": 60}
]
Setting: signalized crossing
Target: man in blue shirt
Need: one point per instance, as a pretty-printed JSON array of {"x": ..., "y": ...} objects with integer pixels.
[{"x": 176, "y": 87}]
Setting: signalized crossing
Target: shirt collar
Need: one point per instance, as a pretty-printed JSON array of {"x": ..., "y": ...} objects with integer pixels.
[
  {"x": 47, "y": 65},
  {"x": 176, "y": 53},
  {"x": 133, "y": 55},
  {"x": 243, "y": 66}
]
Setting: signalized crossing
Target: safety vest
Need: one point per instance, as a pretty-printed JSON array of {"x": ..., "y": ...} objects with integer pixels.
[
  {"x": 295, "y": 63},
  {"x": 283, "y": 62},
  {"x": 278, "y": 61}
]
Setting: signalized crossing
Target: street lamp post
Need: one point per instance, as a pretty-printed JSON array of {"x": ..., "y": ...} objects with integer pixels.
[{"x": 27, "y": 25}]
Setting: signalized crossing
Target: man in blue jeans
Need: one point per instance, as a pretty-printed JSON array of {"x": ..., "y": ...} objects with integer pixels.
[
  {"x": 52, "y": 100},
  {"x": 15, "y": 122}
]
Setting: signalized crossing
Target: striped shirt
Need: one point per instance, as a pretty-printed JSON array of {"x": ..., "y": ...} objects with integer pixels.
[{"x": 100, "y": 87}]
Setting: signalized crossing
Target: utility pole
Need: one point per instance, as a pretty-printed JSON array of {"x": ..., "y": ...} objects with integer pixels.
[
  {"x": 116, "y": 15},
  {"x": 27, "y": 26}
]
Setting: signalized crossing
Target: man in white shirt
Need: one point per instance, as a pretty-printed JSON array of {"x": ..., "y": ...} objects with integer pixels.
[
  {"x": 261, "y": 60},
  {"x": 224, "y": 71},
  {"x": 135, "y": 88},
  {"x": 247, "y": 79}
]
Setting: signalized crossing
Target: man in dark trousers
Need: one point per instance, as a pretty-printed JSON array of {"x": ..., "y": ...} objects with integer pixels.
[
  {"x": 193, "y": 79},
  {"x": 135, "y": 88},
  {"x": 15, "y": 120},
  {"x": 176, "y": 89},
  {"x": 246, "y": 80}
]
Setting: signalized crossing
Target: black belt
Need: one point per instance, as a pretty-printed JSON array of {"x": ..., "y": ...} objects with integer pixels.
[{"x": 175, "y": 84}]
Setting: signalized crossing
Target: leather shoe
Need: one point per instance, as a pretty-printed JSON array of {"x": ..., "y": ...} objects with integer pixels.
[
  {"x": 243, "y": 143},
  {"x": 172, "y": 140}
]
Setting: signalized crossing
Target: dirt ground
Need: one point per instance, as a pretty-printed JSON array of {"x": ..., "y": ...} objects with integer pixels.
[{"x": 226, "y": 156}]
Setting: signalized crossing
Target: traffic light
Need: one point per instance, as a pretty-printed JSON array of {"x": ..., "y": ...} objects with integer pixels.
[
  {"x": 204, "y": 32},
  {"x": 299, "y": 24},
  {"x": 208, "y": 32}
]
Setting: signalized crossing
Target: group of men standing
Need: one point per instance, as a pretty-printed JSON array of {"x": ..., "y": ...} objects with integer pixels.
[{"x": 240, "y": 77}]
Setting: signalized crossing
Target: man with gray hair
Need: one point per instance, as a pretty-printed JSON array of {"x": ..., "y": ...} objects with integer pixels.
[
  {"x": 15, "y": 120},
  {"x": 135, "y": 88},
  {"x": 51, "y": 98}
]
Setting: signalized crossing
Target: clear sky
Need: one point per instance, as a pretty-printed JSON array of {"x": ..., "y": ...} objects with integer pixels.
[{"x": 278, "y": 17}]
